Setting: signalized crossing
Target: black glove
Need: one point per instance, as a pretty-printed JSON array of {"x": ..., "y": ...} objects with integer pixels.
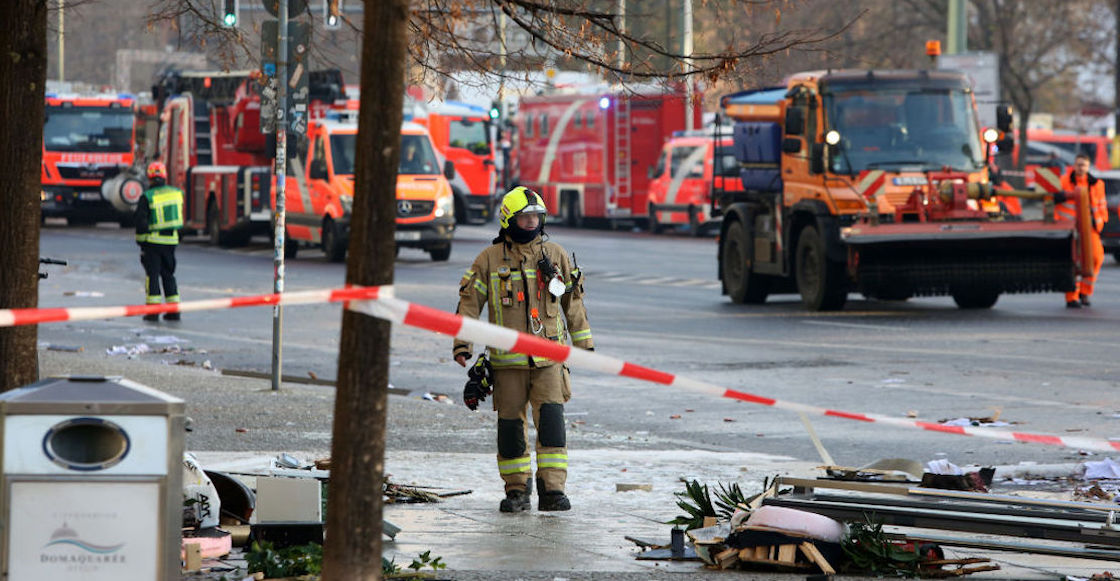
[
  {"x": 1060, "y": 197},
  {"x": 480, "y": 382}
]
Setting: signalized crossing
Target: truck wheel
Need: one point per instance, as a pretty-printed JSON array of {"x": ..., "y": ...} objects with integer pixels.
[
  {"x": 213, "y": 228},
  {"x": 333, "y": 245},
  {"x": 654, "y": 225},
  {"x": 570, "y": 211},
  {"x": 820, "y": 281},
  {"x": 440, "y": 253},
  {"x": 975, "y": 299},
  {"x": 743, "y": 285}
]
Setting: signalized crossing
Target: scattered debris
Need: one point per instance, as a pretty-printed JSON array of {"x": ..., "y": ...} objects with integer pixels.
[
  {"x": 402, "y": 493},
  {"x": 83, "y": 294},
  {"x": 131, "y": 349},
  {"x": 620, "y": 487},
  {"x": 66, "y": 348}
]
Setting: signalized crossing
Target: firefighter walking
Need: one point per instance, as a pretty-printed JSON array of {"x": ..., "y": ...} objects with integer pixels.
[
  {"x": 159, "y": 216},
  {"x": 1079, "y": 177},
  {"x": 529, "y": 285}
]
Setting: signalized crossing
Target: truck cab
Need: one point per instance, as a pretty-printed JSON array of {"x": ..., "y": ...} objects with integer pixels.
[
  {"x": 462, "y": 134},
  {"x": 319, "y": 199},
  {"x": 86, "y": 140},
  {"x": 690, "y": 166}
]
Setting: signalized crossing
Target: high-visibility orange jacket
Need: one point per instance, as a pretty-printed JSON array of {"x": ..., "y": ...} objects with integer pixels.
[{"x": 1068, "y": 209}]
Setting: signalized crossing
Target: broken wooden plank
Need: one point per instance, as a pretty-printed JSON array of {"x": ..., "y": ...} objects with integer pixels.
[
  {"x": 727, "y": 558},
  {"x": 813, "y": 554}
]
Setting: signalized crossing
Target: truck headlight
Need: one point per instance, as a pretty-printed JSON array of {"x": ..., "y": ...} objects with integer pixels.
[
  {"x": 445, "y": 206},
  {"x": 347, "y": 203}
]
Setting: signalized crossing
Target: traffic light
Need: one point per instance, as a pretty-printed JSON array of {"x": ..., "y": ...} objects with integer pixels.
[
  {"x": 230, "y": 9},
  {"x": 332, "y": 14},
  {"x": 495, "y": 110}
]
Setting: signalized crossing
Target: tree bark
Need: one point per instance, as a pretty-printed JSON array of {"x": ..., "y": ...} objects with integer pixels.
[
  {"x": 353, "y": 548},
  {"x": 23, "y": 74}
]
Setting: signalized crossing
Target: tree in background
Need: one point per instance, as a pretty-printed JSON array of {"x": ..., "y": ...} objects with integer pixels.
[{"x": 23, "y": 75}]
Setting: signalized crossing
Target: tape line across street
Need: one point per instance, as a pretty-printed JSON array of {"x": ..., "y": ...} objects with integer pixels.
[{"x": 380, "y": 302}]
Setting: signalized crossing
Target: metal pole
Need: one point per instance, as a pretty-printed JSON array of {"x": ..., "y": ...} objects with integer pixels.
[
  {"x": 686, "y": 50},
  {"x": 281, "y": 166},
  {"x": 621, "y": 29},
  {"x": 956, "y": 36},
  {"x": 61, "y": 41}
]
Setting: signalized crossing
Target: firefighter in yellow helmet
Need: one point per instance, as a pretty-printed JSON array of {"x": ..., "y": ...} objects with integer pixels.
[
  {"x": 159, "y": 216},
  {"x": 529, "y": 285}
]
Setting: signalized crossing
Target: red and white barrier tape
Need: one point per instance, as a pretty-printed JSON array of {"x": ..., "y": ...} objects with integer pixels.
[
  {"x": 14, "y": 317},
  {"x": 380, "y": 302},
  {"x": 484, "y": 333}
]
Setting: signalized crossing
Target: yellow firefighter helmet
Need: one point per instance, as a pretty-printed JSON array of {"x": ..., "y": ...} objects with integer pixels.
[{"x": 520, "y": 200}]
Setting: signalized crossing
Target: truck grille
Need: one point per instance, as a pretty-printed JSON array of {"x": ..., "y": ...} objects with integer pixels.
[
  {"x": 87, "y": 173},
  {"x": 414, "y": 208}
]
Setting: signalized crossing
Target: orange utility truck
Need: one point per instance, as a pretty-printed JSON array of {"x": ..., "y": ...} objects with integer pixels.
[{"x": 876, "y": 182}]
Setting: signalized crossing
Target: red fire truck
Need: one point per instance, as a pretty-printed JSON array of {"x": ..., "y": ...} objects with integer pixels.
[
  {"x": 588, "y": 153},
  {"x": 461, "y": 132},
  {"x": 86, "y": 140},
  {"x": 211, "y": 141}
]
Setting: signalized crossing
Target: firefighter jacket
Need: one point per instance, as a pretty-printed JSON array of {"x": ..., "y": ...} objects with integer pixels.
[
  {"x": 506, "y": 278},
  {"x": 1097, "y": 205},
  {"x": 159, "y": 215}
]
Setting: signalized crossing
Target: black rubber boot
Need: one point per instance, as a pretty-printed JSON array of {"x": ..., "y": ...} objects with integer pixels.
[
  {"x": 172, "y": 316},
  {"x": 554, "y": 500},
  {"x": 1073, "y": 304},
  {"x": 1084, "y": 301},
  {"x": 515, "y": 501},
  {"x": 152, "y": 317}
]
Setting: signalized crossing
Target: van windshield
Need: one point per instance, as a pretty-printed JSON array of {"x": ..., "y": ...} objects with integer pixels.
[
  {"x": 901, "y": 127},
  {"x": 417, "y": 155}
]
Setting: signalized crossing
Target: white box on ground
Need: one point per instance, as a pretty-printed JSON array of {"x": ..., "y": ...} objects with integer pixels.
[{"x": 288, "y": 500}]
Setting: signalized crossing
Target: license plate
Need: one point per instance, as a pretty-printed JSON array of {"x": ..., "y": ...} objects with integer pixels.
[
  {"x": 95, "y": 196},
  {"x": 408, "y": 235}
]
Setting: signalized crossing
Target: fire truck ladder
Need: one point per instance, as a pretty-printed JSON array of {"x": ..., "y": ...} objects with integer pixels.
[
  {"x": 622, "y": 151},
  {"x": 202, "y": 142}
]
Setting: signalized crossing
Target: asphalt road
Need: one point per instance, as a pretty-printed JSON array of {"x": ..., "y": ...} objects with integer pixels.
[{"x": 654, "y": 301}]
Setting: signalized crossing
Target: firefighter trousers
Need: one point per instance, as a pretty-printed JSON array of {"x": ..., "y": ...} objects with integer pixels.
[
  {"x": 1096, "y": 259},
  {"x": 546, "y": 389},
  {"x": 159, "y": 266}
]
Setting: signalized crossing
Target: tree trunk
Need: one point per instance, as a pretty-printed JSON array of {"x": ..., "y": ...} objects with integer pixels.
[
  {"x": 23, "y": 74},
  {"x": 353, "y": 549},
  {"x": 1024, "y": 122}
]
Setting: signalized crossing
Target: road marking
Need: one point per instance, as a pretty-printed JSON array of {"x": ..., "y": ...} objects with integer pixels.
[{"x": 854, "y": 325}]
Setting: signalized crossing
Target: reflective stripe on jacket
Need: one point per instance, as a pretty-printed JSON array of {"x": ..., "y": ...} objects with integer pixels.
[
  {"x": 1097, "y": 204},
  {"x": 505, "y": 279},
  {"x": 160, "y": 215}
]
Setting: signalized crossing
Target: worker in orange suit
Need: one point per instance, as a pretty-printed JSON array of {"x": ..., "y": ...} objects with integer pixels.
[{"x": 1079, "y": 177}]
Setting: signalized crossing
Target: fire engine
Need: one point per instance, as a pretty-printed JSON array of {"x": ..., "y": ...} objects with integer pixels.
[
  {"x": 462, "y": 134},
  {"x": 691, "y": 165},
  {"x": 876, "y": 182},
  {"x": 587, "y": 153},
  {"x": 211, "y": 141},
  {"x": 87, "y": 140}
]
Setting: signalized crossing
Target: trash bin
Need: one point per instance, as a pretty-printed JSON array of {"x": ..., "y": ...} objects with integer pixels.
[{"x": 91, "y": 483}]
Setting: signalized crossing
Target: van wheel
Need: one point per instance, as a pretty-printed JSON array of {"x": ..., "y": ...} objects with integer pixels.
[
  {"x": 440, "y": 253},
  {"x": 743, "y": 285},
  {"x": 820, "y": 280},
  {"x": 333, "y": 246},
  {"x": 291, "y": 247}
]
